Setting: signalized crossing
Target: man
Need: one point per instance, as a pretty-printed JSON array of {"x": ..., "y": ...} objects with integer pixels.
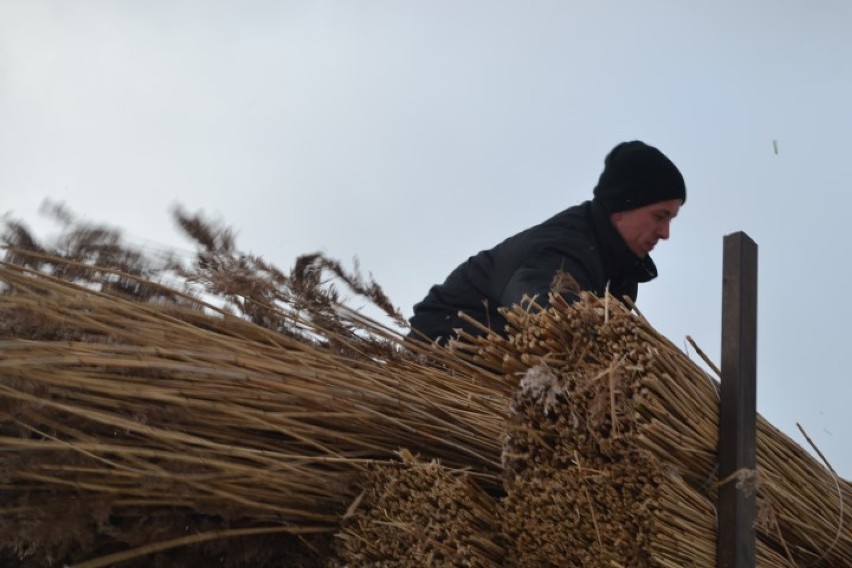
[{"x": 603, "y": 244}]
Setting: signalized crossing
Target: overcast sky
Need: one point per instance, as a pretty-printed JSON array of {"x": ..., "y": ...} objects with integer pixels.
[{"x": 414, "y": 134}]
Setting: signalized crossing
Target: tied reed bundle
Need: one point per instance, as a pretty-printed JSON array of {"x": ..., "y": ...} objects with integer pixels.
[
  {"x": 421, "y": 514},
  {"x": 621, "y": 387},
  {"x": 151, "y": 411},
  {"x": 157, "y": 416},
  {"x": 573, "y": 502}
]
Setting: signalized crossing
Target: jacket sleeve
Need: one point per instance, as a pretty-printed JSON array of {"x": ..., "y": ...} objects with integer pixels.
[{"x": 535, "y": 277}]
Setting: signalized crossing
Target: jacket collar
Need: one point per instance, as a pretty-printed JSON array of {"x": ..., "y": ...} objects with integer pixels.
[{"x": 619, "y": 261}]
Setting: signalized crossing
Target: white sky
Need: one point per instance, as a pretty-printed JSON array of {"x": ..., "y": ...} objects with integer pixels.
[{"x": 414, "y": 134}]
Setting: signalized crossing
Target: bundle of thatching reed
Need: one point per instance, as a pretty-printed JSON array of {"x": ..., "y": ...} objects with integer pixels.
[
  {"x": 152, "y": 419},
  {"x": 417, "y": 514},
  {"x": 618, "y": 507},
  {"x": 617, "y": 387}
]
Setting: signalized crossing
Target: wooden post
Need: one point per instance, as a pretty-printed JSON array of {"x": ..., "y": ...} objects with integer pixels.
[{"x": 738, "y": 405}]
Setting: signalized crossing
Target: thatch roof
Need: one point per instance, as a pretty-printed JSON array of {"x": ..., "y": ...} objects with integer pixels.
[{"x": 219, "y": 410}]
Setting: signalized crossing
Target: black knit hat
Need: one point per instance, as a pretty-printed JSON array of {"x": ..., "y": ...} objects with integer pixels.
[{"x": 636, "y": 175}]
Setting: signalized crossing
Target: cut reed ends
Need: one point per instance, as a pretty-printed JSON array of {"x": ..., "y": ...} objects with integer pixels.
[{"x": 420, "y": 514}]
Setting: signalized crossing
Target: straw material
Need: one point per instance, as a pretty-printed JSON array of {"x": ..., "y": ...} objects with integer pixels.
[
  {"x": 118, "y": 411},
  {"x": 243, "y": 417},
  {"x": 621, "y": 507},
  {"x": 606, "y": 385}
]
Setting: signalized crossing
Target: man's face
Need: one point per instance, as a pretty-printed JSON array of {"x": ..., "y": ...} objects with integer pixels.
[{"x": 641, "y": 228}]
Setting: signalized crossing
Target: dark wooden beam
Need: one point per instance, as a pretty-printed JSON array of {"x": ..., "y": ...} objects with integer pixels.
[{"x": 738, "y": 405}]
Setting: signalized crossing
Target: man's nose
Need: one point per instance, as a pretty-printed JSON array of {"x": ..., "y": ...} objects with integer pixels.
[{"x": 663, "y": 231}]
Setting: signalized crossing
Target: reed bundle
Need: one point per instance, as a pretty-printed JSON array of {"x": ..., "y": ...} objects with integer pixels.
[
  {"x": 124, "y": 411},
  {"x": 421, "y": 514},
  {"x": 621, "y": 507},
  {"x": 612, "y": 386}
]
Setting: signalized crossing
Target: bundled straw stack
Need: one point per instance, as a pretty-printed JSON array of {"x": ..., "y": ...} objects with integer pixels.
[
  {"x": 615, "y": 505},
  {"x": 610, "y": 410},
  {"x": 421, "y": 514}
]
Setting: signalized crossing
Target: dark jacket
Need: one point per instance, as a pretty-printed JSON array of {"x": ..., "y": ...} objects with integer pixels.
[{"x": 580, "y": 241}]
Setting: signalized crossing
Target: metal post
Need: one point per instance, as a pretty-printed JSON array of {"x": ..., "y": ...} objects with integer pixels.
[{"x": 738, "y": 405}]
